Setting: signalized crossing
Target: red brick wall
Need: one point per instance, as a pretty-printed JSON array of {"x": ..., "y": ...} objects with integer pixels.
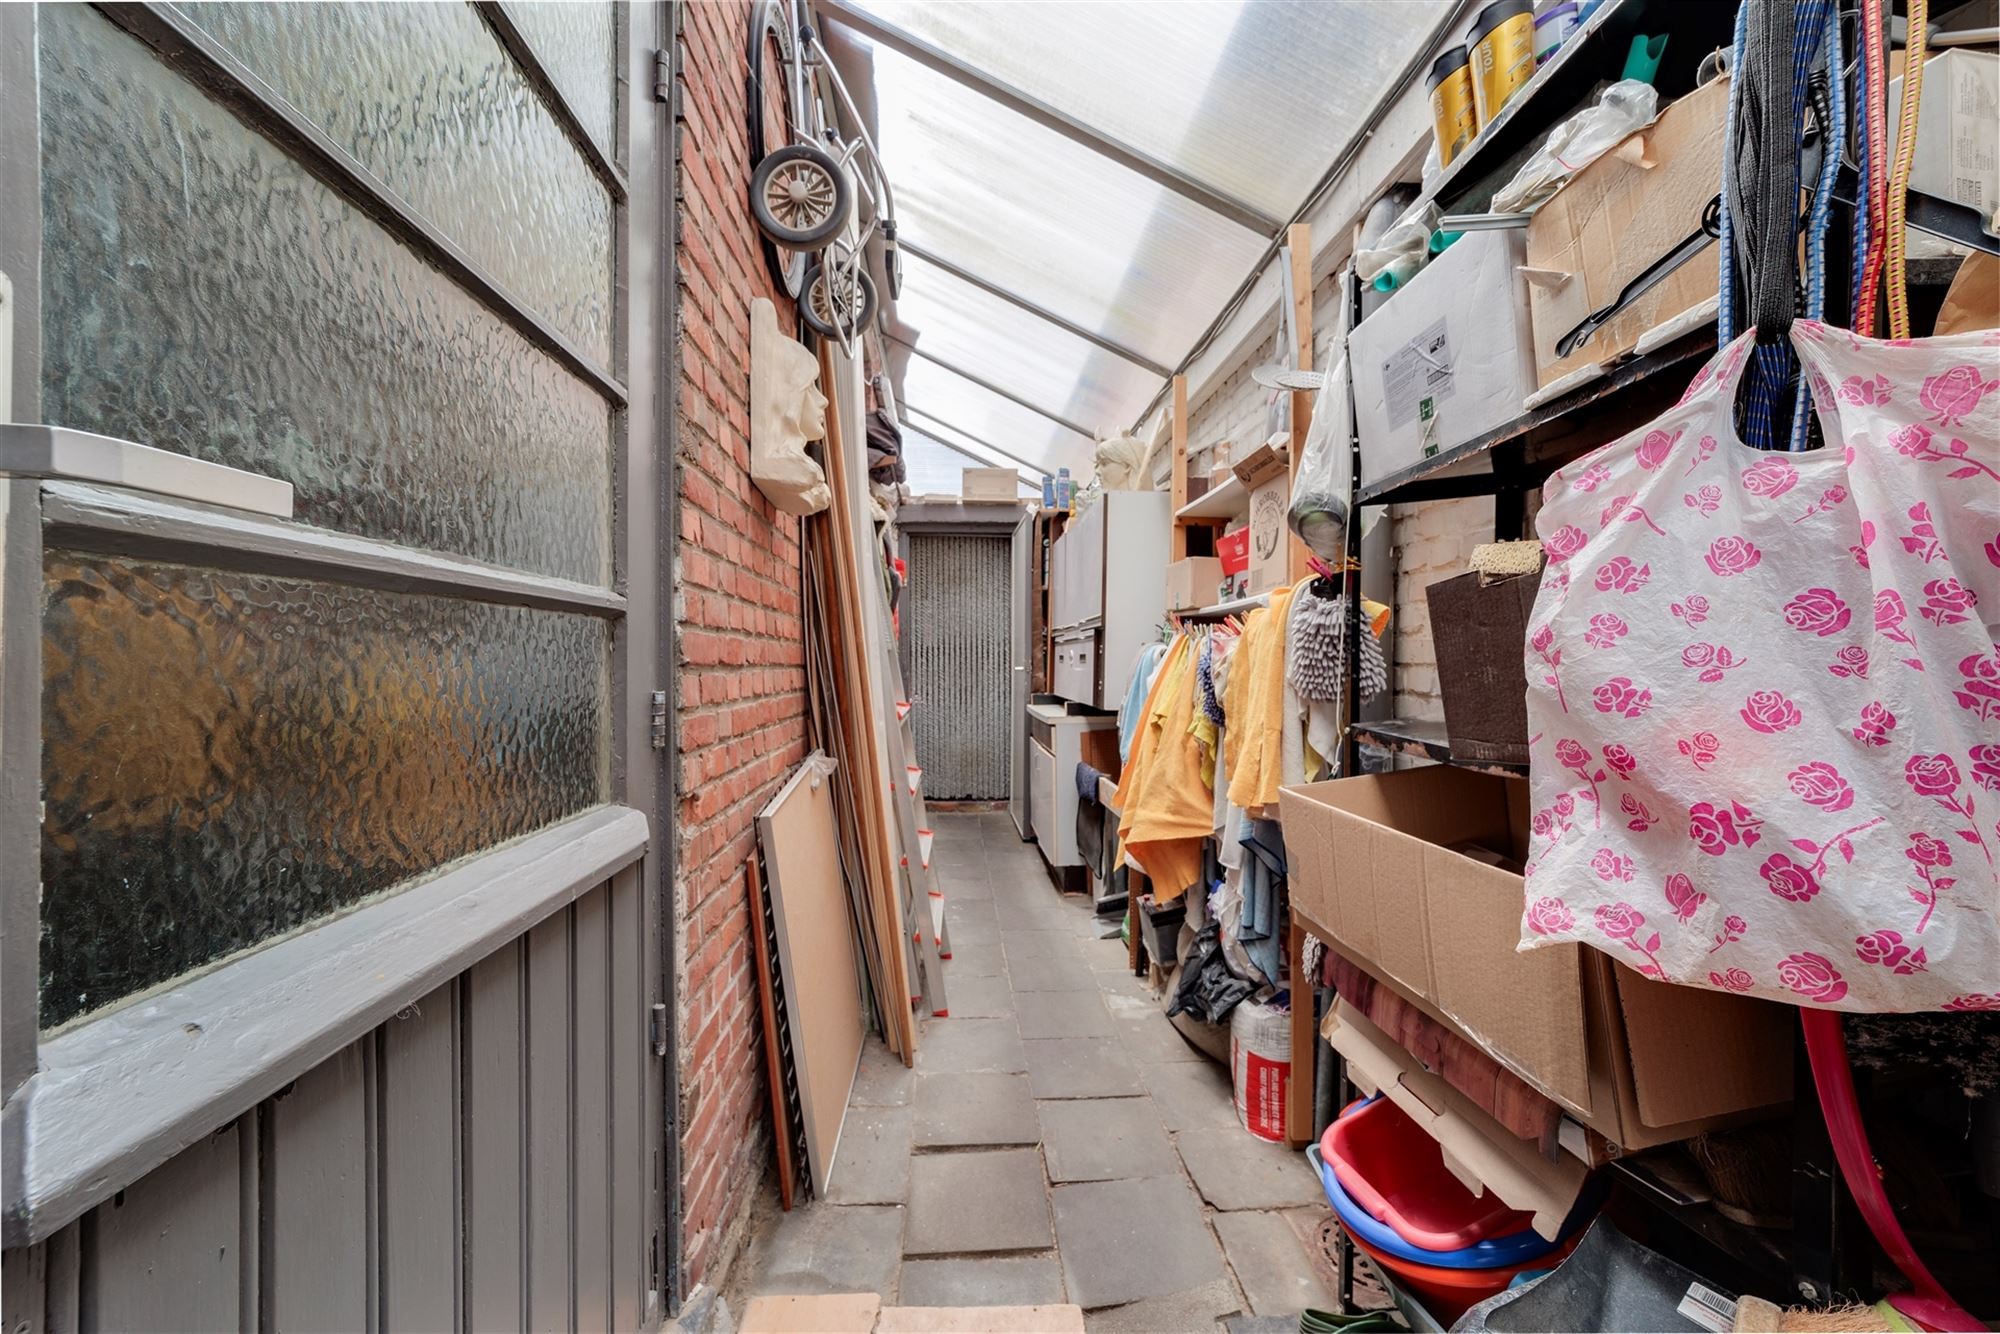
[{"x": 742, "y": 716}]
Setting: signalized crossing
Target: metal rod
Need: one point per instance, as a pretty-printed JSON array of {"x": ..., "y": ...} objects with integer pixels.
[
  {"x": 215, "y": 71},
  {"x": 989, "y": 386},
  {"x": 987, "y": 285},
  {"x": 1447, "y": 21},
  {"x": 983, "y": 444},
  {"x": 523, "y": 51},
  {"x": 1160, "y": 173}
]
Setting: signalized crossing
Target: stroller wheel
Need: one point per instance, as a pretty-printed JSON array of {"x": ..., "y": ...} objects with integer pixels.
[
  {"x": 800, "y": 197},
  {"x": 839, "y": 304}
]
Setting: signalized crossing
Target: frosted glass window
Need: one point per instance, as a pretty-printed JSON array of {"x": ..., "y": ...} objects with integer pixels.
[
  {"x": 576, "y": 41},
  {"x": 227, "y": 757},
  {"x": 203, "y": 293},
  {"x": 427, "y": 99},
  {"x": 1252, "y": 99}
]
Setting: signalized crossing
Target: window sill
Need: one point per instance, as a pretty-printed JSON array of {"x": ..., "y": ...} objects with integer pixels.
[{"x": 119, "y": 1095}]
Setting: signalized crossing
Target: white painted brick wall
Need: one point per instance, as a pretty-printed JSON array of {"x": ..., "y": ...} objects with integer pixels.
[{"x": 1431, "y": 541}]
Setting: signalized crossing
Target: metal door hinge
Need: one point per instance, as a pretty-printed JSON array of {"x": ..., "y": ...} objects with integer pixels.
[
  {"x": 663, "y": 75},
  {"x": 659, "y": 720},
  {"x": 659, "y": 1028}
]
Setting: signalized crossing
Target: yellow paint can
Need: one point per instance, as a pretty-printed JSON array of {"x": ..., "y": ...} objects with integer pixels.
[
  {"x": 1453, "y": 119},
  {"x": 1503, "y": 54}
]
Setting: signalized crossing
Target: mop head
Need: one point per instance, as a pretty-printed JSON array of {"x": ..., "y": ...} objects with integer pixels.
[
  {"x": 1754, "y": 1315},
  {"x": 1314, "y": 664},
  {"x": 1499, "y": 560}
]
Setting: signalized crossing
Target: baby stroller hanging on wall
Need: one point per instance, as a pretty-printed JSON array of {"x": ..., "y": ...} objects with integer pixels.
[{"x": 803, "y": 192}]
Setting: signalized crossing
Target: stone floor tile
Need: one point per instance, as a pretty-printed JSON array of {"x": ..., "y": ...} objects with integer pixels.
[
  {"x": 956, "y": 1110},
  {"x": 1026, "y": 943},
  {"x": 1121, "y": 1241},
  {"x": 961, "y": 1046},
  {"x": 1270, "y": 1264},
  {"x": 871, "y": 1165},
  {"x": 1192, "y": 1095},
  {"x": 1201, "y": 1308},
  {"x": 971, "y": 996},
  {"x": 1054, "y": 1318},
  {"x": 831, "y": 1313},
  {"x": 829, "y": 1248},
  {"x": 1105, "y": 1139},
  {"x": 1239, "y": 1171},
  {"x": 1153, "y": 1039},
  {"x": 972, "y": 1202},
  {"x": 1081, "y": 1068},
  {"x": 994, "y": 1280},
  {"x": 1062, "y": 1014},
  {"x": 1049, "y": 972},
  {"x": 974, "y": 958},
  {"x": 883, "y": 1080}
]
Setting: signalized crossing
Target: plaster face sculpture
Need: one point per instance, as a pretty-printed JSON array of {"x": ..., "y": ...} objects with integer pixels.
[
  {"x": 1120, "y": 463},
  {"x": 787, "y": 410}
]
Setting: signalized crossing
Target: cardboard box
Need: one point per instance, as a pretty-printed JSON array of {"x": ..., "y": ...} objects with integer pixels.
[
  {"x": 1193, "y": 582},
  {"x": 1638, "y": 1061},
  {"x": 1958, "y": 152},
  {"x": 1233, "y": 550},
  {"x": 1266, "y": 461},
  {"x": 1270, "y": 549},
  {"x": 1001, "y": 484},
  {"x": 1448, "y": 358},
  {"x": 1613, "y": 220},
  {"x": 1481, "y": 636}
]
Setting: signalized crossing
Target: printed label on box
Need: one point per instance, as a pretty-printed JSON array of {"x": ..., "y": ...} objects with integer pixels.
[
  {"x": 1708, "y": 1308},
  {"x": 1417, "y": 376}
]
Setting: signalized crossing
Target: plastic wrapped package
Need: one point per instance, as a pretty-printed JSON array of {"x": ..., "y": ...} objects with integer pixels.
[
  {"x": 1625, "y": 108},
  {"x": 1325, "y": 480}
]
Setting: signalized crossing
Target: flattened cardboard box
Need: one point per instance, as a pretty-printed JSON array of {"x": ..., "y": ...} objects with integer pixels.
[
  {"x": 1640, "y": 1062},
  {"x": 1613, "y": 220},
  {"x": 1193, "y": 581}
]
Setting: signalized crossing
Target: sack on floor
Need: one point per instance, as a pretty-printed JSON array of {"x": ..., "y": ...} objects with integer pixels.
[{"x": 1260, "y": 1066}]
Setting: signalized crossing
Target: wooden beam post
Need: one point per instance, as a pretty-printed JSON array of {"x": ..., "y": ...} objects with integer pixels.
[
  {"x": 1177, "y": 549},
  {"x": 1299, "y": 254}
]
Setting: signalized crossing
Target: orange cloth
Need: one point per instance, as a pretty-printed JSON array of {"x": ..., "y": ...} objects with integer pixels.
[
  {"x": 1167, "y": 808},
  {"x": 1253, "y": 706}
]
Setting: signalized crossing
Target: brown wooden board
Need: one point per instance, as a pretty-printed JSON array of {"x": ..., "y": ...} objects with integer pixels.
[{"x": 781, "y": 1124}]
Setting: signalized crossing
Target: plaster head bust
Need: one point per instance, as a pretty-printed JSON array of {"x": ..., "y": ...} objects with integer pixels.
[{"x": 787, "y": 410}]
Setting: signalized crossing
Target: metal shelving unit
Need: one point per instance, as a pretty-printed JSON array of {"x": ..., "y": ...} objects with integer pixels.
[{"x": 1426, "y": 741}]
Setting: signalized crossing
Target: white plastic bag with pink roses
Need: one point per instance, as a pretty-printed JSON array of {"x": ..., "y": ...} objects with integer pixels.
[{"x": 1764, "y": 689}]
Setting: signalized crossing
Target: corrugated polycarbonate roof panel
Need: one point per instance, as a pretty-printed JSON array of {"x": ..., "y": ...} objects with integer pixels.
[
  {"x": 1040, "y": 215},
  {"x": 1254, "y": 98},
  {"x": 1034, "y": 440},
  {"x": 950, "y": 319}
]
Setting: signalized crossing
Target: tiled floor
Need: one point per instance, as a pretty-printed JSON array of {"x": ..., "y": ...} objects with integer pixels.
[{"x": 1057, "y": 1141}]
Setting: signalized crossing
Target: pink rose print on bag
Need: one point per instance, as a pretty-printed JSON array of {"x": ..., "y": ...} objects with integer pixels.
[
  {"x": 1952, "y": 396},
  {"x": 1923, "y": 539},
  {"x": 1812, "y": 977},
  {"x": 1681, "y": 897},
  {"x": 1621, "y": 760},
  {"x": 1851, "y": 661},
  {"x": 1860, "y": 552},
  {"x": 1701, "y": 456},
  {"x": 1948, "y": 602},
  {"x": 1876, "y": 724},
  {"x": 1768, "y": 711},
  {"x": 1715, "y": 830},
  {"x": 1611, "y": 865},
  {"x": 1993, "y": 551},
  {"x": 1573, "y": 757},
  {"x": 1620, "y": 696},
  {"x": 1915, "y": 442},
  {"x": 1693, "y": 609},
  {"x": 1974, "y": 1002},
  {"x": 1770, "y": 477},
  {"x": 1653, "y": 450},
  {"x": 1701, "y": 748},
  {"x": 1936, "y": 777},
  {"x": 1622, "y": 507},
  {"x": 1550, "y": 917},
  {"x": 1729, "y": 556},
  {"x": 1830, "y": 499},
  {"x": 1733, "y": 980},
  {"x": 1565, "y": 542},
  {"x": 1980, "y": 690},
  {"x": 1868, "y": 393},
  {"x": 1887, "y": 949},
  {"x": 1732, "y": 931},
  {"x": 1704, "y": 500},
  {"x": 1818, "y": 611},
  {"x": 1622, "y": 922},
  {"x": 1890, "y": 613},
  {"x": 1641, "y": 819},
  {"x": 1623, "y": 574},
  {"x": 1986, "y": 766},
  {"x": 1929, "y": 856},
  {"x": 1819, "y": 784},
  {"x": 1605, "y": 630},
  {"x": 1542, "y": 641},
  {"x": 1712, "y": 659},
  {"x": 1787, "y": 879}
]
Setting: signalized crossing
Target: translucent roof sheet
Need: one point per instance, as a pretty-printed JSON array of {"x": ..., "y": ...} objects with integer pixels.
[
  {"x": 935, "y": 461},
  {"x": 1118, "y": 166},
  {"x": 1253, "y": 97}
]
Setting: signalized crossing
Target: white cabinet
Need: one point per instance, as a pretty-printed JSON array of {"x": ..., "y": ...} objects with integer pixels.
[
  {"x": 1055, "y": 745},
  {"x": 1109, "y": 579}
]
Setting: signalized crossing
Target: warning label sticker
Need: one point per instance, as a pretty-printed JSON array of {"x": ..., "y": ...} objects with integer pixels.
[{"x": 1417, "y": 371}]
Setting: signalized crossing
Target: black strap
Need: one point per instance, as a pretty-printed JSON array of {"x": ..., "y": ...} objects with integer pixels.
[{"x": 1764, "y": 194}]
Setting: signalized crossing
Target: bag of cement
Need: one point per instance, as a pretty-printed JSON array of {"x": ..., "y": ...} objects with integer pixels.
[
  {"x": 1260, "y": 1065},
  {"x": 1318, "y": 512},
  {"x": 1625, "y": 108}
]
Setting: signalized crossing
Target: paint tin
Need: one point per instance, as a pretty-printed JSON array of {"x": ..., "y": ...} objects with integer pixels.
[
  {"x": 1452, "y": 118},
  {"x": 1553, "y": 25},
  {"x": 1503, "y": 54}
]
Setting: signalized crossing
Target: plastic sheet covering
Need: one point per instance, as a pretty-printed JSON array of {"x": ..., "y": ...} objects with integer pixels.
[
  {"x": 1253, "y": 100},
  {"x": 948, "y": 398}
]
